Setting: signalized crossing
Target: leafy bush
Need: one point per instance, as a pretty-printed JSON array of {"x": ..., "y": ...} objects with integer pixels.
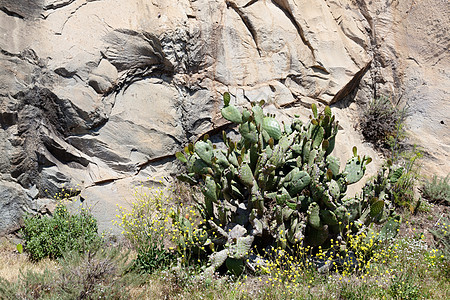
[
  {"x": 152, "y": 256},
  {"x": 382, "y": 124},
  {"x": 161, "y": 229},
  {"x": 52, "y": 236},
  {"x": 437, "y": 190},
  {"x": 277, "y": 187},
  {"x": 146, "y": 226}
]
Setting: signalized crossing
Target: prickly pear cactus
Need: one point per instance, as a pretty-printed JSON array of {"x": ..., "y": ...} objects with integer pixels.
[{"x": 279, "y": 183}]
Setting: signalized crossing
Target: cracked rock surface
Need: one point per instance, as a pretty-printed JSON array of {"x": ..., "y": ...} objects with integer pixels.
[{"x": 98, "y": 95}]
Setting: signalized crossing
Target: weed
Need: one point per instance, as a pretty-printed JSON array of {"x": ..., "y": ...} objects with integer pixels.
[
  {"x": 403, "y": 190},
  {"x": 382, "y": 123},
  {"x": 404, "y": 287},
  {"x": 437, "y": 190},
  {"x": 441, "y": 236},
  {"x": 92, "y": 275},
  {"x": 353, "y": 292},
  {"x": 152, "y": 256}
]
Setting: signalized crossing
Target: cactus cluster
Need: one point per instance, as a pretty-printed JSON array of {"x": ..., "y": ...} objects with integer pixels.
[{"x": 279, "y": 183}]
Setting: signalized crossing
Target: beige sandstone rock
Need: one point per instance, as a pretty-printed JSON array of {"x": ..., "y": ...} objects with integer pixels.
[{"x": 413, "y": 60}]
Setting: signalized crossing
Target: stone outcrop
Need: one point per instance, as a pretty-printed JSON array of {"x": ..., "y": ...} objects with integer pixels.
[
  {"x": 411, "y": 65},
  {"x": 98, "y": 95}
]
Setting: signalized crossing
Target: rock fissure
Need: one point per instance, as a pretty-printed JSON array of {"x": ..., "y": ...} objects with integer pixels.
[
  {"x": 151, "y": 161},
  {"x": 104, "y": 182},
  {"x": 72, "y": 13},
  {"x": 28, "y": 55},
  {"x": 249, "y": 3},
  {"x": 351, "y": 85},
  {"x": 11, "y": 13},
  {"x": 6, "y": 53},
  {"x": 248, "y": 24},
  {"x": 281, "y": 4},
  {"x": 58, "y": 4},
  {"x": 376, "y": 57}
]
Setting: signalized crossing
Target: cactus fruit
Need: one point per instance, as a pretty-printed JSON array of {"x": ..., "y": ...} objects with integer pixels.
[{"x": 180, "y": 156}]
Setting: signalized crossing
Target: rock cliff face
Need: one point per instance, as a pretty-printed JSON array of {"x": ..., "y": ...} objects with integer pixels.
[{"x": 97, "y": 95}]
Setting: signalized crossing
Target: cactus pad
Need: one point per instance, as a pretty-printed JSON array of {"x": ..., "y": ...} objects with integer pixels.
[
  {"x": 313, "y": 215},
  {"x": 300, "y": 180},
  {"x": 232, "y": 114},
  {"x": 272, "y": 127},
  {"x": 354, "y": 169},
  {"x": 204, "y": 151}
]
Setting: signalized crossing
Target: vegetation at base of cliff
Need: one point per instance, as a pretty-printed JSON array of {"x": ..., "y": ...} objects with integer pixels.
[
  {"x": 406, "y": 267},
  {"x": 404, "y": 189},
  {"x": 280, "y": 188},
  {"x": 265, "y": 217},
  {"x": 52, "y": 236},
  {"x": 98, "y": 274},
  {"x": 383, "y": 124},
  {"x": 437, "y": 190}
]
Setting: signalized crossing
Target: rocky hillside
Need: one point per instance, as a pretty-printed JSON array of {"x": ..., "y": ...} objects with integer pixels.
[{"x": 97, "y": 95}]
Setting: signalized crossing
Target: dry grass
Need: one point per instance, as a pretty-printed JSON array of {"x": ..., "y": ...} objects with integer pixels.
[{"x": 12, "y": 262}]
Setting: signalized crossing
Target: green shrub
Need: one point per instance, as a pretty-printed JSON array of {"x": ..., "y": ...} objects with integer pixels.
[
  {"x": 437, "y": 190},
  {"x": 161, "y": 229},
  {"x": 99, "y": 274},
  {"x": 52, "y": 236},
  {"x": 152, "y": 256},
  {"x": 382, "y": 123},
  {"x": 403, "y": 190},
  {"x": 277, "y": 186},
  {"x": 397, "y": 183}
]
